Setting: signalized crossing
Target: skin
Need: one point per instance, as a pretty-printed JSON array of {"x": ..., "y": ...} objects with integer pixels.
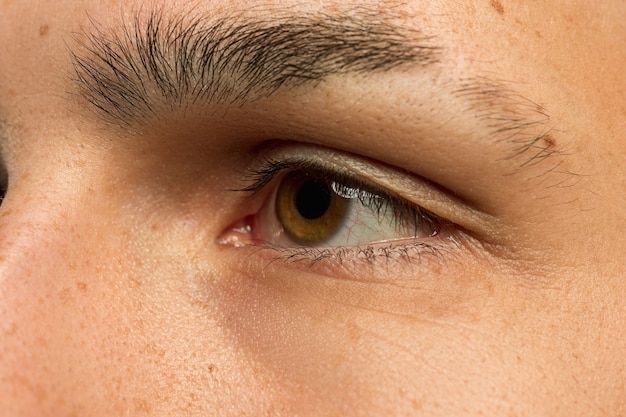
[{"x": 118, "y": 295}]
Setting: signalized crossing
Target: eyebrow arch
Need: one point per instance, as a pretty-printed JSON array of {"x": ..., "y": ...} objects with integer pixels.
[{"x": 177, "y": 61}]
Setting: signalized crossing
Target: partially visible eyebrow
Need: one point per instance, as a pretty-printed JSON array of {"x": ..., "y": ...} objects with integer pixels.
[
  {"x": 182, "y": 60},
  {"x": 510, "y": 118}
]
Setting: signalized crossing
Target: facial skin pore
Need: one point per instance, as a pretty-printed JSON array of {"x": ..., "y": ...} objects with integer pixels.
[{"x": 142, "y": 270}]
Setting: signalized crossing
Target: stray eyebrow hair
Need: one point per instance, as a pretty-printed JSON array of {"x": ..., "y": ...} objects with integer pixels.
[{"x": 182, "y": 60}]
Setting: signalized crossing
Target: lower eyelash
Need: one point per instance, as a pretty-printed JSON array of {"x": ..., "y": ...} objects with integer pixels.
[{"x": 355, "y": 256}]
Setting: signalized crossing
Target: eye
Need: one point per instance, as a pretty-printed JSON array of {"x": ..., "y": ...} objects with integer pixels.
[
  {"x": 315, "y": 203},
  {"x": 310, "y": 207},
  {"x": 343, "y": 215}
]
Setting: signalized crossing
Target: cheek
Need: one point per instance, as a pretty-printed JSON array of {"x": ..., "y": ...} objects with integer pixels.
[
  {"x": 43, "y": 307},
  {"x": 363, "y": 360},
  {"x": 92, "y": 323},
  {"x": 66, "y": 324},
  {"x": 509, "y": 358}
]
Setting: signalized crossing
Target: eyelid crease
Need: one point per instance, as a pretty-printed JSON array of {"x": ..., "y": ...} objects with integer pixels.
[{"x": 406, "y": 186}]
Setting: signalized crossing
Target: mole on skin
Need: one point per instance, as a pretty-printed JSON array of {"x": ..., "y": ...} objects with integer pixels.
[{"x": 497, "y": 6}]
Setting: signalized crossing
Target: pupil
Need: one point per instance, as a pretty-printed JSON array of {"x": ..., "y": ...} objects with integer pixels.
[{"x": 313, "y": 199}]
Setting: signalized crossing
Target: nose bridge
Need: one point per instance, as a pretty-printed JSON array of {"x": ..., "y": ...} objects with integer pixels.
[
  {"x": 28, "y": 224},
  {"x": 25, "y": 305},
  {"x": 37, "y": 298},
  {"x": 34, "y": 224}
]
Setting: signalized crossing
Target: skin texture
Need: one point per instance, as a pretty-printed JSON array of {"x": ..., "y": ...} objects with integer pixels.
[{"x": 119, "y": 296}]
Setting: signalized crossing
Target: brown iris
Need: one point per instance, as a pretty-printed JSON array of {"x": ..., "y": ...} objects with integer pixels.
[{"x": 308, "y": 209}]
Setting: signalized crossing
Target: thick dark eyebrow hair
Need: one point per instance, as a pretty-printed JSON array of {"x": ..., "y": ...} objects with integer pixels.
[
  {"x": 159, "y": 62},
  {"x": 177, "y": 61}
]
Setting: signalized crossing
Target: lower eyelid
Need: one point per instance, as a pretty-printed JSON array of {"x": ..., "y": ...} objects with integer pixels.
[
  {"x": 367, "y": 258},
  {"x": 382, "y": 262}
]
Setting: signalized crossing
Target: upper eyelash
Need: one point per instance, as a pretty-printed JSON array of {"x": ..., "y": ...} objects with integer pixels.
[
  {"x": 404, "y": 213},
  {"x": 263, "y": 173}
]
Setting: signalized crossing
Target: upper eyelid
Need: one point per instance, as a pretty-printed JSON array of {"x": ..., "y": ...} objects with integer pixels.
[
  {"x": 260, "y": 179},
  {"x": 391, "y": 181},
  {"x": 264, "y": 172}
]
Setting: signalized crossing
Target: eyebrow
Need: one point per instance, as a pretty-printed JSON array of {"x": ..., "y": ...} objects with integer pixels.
[
  {"x": 158, "y": 62},
  {"x": 179, "y": 61},
  {"x": 511, "y": 118}
]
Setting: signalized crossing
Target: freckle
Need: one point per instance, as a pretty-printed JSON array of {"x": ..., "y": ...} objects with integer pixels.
[
  {"x": 142, "y": 405},
  {"x": 139, "y": 324},
  {"x": 490, "y": 288},
  {"x": 134, "y": 283},
  {"x": 538, "y": 34},
  {"x": 153, "y": 349},
  {"x": 549, "y": 141},
  {"x": 43, "y": 30},
  {"x": 40, "y": 393},
  {"x": 82, "y": 286},
  {"x": 65, "y": 296},
  {"x": 497, "y": 6},
  {"x": 354, "y": 332},
  {"x": 11, "y": 330},
  {"x": 41, "y": 342},
  {"x": 417, "y": 404}
]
